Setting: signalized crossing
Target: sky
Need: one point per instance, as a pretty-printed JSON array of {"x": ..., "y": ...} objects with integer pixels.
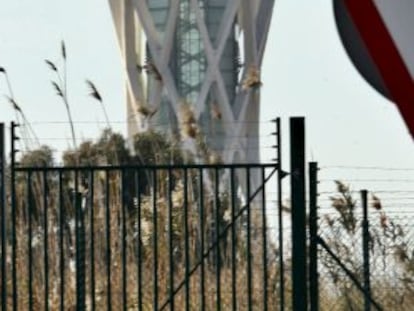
[{"x": 306, "y": 72}]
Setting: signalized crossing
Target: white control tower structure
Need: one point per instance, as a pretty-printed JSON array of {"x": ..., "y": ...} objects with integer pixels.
[{"x": 202, "y": 56}]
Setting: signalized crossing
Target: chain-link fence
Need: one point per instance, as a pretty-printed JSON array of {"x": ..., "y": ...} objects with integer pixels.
[{"x": 347, "y": 281}]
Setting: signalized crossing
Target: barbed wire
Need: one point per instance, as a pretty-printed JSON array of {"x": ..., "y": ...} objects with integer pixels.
[
  {"x": 45, "y": 122},
  {"x": 379, "y": 168},
  {"x": 373, "y": 191},
  {"x": 368, "y": 180},
  {"x": 210, "y": 136}
]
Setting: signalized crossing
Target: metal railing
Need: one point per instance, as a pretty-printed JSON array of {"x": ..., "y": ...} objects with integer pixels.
[{"x": 132, "y": 237}]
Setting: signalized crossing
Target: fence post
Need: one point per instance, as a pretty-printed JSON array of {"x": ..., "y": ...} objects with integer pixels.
[
  {"x": 280, "y": 175},
  {"x": 13, "y": 151},
  {"x": 365, "y": 251},
  {"x": 313, "y": 233},
  {"x": 3, "y": 218},
  {"x": 80, "y": 247},
  {"x": 297, "y": 170}
]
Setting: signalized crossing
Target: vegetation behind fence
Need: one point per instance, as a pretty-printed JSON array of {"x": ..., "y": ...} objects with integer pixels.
[
  {"x": 390, "y": 252},
  {"x": 108, "y": 238}
]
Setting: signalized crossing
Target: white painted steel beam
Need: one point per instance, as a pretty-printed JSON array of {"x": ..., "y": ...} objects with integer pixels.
[{"x": 240, "y": 112}]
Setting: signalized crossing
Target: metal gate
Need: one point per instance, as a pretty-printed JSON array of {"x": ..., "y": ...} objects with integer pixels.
[{"x": 141, "y": 238}]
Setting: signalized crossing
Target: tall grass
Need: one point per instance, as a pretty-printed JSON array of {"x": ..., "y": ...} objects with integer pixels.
[
  {"x": 130, "y": 249},
  {"x": 390, "y": 248},
  {"x": 60, "y": 86}
]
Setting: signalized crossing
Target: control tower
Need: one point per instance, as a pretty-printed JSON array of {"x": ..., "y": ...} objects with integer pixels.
[{"x": 198, "y": 62}]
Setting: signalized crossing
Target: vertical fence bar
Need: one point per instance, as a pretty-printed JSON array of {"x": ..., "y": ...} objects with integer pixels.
[
  {"x": 186, "y": 243},
  {"x": 13, "y": 151},
  {"x": 299, "y": 264},
  {"x": 91, "y": 188},
  {"x": 365, "y": 251},
  {"x": 108, "y": 242},
  {"x": 170, "y": 241},
  {"x": 155, "y": 237},
  {"x": 61, "y": 242},
  {"x": 202, "y": 228},
  {"x": 123, "y": 242},
  {"x": 233, "y": 240},
  {"x": 30, "y": 238},
  {"x": 313, "y": 232},
  {"x": 264, "y": 238},
  {"x": 80, "y": 247},
  {"x": 216, "y": 238},
  {"x": 45, "y": 239},
  {"x": 280, "y": 215},
  {"x": 3, "y": 218},
  {"x": 249, "y": 251},
  {"x": 139, "y": 245}
]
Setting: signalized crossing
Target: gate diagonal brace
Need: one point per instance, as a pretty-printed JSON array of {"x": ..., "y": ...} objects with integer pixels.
[{"x": 221, "y": 235}]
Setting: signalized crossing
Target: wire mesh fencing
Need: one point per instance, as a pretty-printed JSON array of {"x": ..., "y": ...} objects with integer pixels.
[
  {"x": 378, "y": 272},
  {"x": 337, "y": 291}
]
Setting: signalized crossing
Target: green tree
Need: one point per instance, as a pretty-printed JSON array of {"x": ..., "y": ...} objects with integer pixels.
[
  {"x": 113, "y": 146},
  {"x": 41, "y": 157},
  {"x": 153, "y": 148},
  {"x": 109, "y": 149}
]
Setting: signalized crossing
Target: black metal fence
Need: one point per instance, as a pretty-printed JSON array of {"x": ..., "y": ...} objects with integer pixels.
[
  {"x": 139, "y": 238},
  {"x": 361, "y": 253},
  {"x": 186, "y": 237}
]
